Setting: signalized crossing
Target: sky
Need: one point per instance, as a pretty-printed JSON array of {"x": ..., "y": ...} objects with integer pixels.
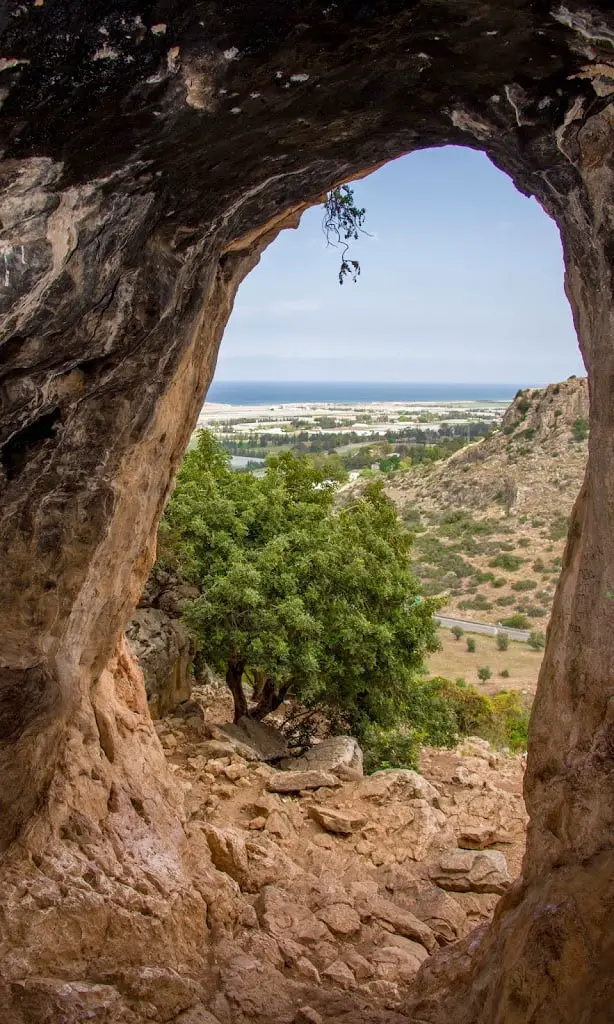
[{"x": 461, "y": 280}]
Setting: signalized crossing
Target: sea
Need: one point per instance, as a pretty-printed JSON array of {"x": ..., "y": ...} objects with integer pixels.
[{"x": 276, "y": 392}]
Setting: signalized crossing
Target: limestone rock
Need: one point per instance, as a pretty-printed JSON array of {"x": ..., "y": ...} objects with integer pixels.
[
  {"x": 340, "y": 918},
  {"x": 264, "y": 740},
  {"x": 402, "y": 921},
  {"x": 342, "y": 822},
  {"x": 164, "y": 653},
  {"x": 340, "y": 974},
  {"x": 396, "y": 784},
  {"x": 337, "y": 754},
  {"x": 296, "y": 782},
  {"x": 477, "y": 837},
  {"x": 472, "y": 871},
  {"x": 307, "y": 1015}
]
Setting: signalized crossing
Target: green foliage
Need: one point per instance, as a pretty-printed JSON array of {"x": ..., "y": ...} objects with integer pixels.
[
  {"x": 320, "y": 603},
  {"x": 484, "y": 674},
  {"x": 499, "y": 582},
  {"x": 471, "y": 709},
  {"x": 503, "y": 641},
  {"x": 390, "y": 748},
  {"x": 579, "y": 429},
  {"x": 457, "y": 632},
  {"x": 518, "y": 621},
  {"x": 342, "y": 223},
  {"x": 443, "y": 710},
  {"x": 471, "y": 645},
  {"x": 511, "y": 563},
  {"x": 478, "y": 604},
  {"x": 505, "y": 601},
  {"x": 504, "y": 673},
  {"x": 524, "y": 585},
  {"x": 523, "y": 405},
  {"x": 510, "y": 721},
  {"x": 537, "y": 640}
]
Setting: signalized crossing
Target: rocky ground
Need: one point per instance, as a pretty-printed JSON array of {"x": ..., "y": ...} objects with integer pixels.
[{"x": 335, "y": 887}]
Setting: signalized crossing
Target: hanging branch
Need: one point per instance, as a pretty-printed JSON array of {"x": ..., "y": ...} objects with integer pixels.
[{"x": 342, "y": 223}]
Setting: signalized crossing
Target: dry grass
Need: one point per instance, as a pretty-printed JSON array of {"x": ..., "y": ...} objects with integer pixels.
[{"x": 454, "y": 661}]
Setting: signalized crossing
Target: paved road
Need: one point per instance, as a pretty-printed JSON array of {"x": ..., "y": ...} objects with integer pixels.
[{"x": 483, "y": 627}]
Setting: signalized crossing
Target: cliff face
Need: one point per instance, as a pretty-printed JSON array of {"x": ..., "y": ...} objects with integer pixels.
[
  {"x": 533, "y": 466},
  {"x": 149, "y": 154}
]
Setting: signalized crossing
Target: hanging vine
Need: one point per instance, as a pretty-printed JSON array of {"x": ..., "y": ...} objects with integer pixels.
[{"x": 342, "y": 223}]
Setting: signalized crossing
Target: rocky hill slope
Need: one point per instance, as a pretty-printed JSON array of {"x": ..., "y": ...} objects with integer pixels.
[
  {"x": 333, "y": 888},
  {"x": 491, "y": 520}
]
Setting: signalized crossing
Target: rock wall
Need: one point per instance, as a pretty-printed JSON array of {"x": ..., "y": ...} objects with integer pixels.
[{"x": 149, "y": 154}]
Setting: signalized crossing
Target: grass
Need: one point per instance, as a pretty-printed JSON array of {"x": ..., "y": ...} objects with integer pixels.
[{"x": 454, "y": 661}]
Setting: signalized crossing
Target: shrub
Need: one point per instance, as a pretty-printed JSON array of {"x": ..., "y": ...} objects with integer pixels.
[
  {"x": 457, "y": 632},
  {"x": 523, "y": 542},
  {"x": 523, "y": 405},
  {"x": 503, "y": 641},
  {"x": 506, "y": 561},
  {"x": 537, "y": 640},
  {"x": 505, "y": 601},
  {"x": 484, "y": 577},
  {"x": 504, "y": 673},
  {"x": 390, "y": 748},
  {"x": 478, "y": 604},
  {"x": 471, "y": 645},
  {"x": 579, "y": 429},
  {"x": 511, "y": 720},
  {"x": 499, "y": 582},
  {"x": 558, "y": 528},
  {"x": 535, "y": 611},
  {"x": 484, "y": 674},
  {"x": 524, "y": 585},
  {"x": 538, "y": 565},
  {"x": 471, "y": 709},
  {"x": 518, "y": 621}
]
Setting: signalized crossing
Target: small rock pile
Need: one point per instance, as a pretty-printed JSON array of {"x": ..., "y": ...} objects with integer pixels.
[{"x": 336, "y": 886}]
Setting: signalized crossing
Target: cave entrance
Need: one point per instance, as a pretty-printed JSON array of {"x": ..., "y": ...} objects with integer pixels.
[{"x": 194, "y": 138}]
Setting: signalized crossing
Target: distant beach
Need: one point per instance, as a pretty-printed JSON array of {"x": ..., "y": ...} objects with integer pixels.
[{"x": 251, "y": 393}]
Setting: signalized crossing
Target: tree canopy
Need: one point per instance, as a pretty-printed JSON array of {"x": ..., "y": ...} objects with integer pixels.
[{"x": 298, "y": 597}]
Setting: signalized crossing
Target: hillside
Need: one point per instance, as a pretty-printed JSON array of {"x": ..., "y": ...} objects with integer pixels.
[{"x": 491, "y": 520}]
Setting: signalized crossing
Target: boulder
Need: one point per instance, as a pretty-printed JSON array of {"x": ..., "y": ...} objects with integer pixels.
[
  {"x": 476, "y": 837},
  {"x": 340, "y": 918},
  {"x": 340, "y": 974},
  {"x": 401, "y": 921},
  {"x": 164, "y": 652},
  {"x": 343, "y": 822},
  {"x": 296, "y": 782},
  {"x": 472, "y": 871},
  {"x": 396, "y": 784},
  {"x": 337, "y": 754},
  {"x": 265, "y": 741}
]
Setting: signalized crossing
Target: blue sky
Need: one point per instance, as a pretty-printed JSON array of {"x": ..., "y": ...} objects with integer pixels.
[{"x": 462, "y": 280}]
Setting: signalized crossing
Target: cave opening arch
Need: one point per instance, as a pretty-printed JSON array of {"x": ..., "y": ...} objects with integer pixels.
[{"x": 195, "y": 137}]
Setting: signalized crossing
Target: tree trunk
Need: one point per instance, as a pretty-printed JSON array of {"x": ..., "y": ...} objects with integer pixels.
[
  {"x": 234, "y": 676},
  {"x": 270, "y": 699}
]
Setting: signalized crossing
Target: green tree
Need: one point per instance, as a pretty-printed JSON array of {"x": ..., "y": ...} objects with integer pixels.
[
  {"x": 484, "y": 674},
  {"x": 457, "y": 632},
  {"x": 297, "y": 597},
  {"x": 503, "y": 641},
  {"x": 471, "y": 645}
]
